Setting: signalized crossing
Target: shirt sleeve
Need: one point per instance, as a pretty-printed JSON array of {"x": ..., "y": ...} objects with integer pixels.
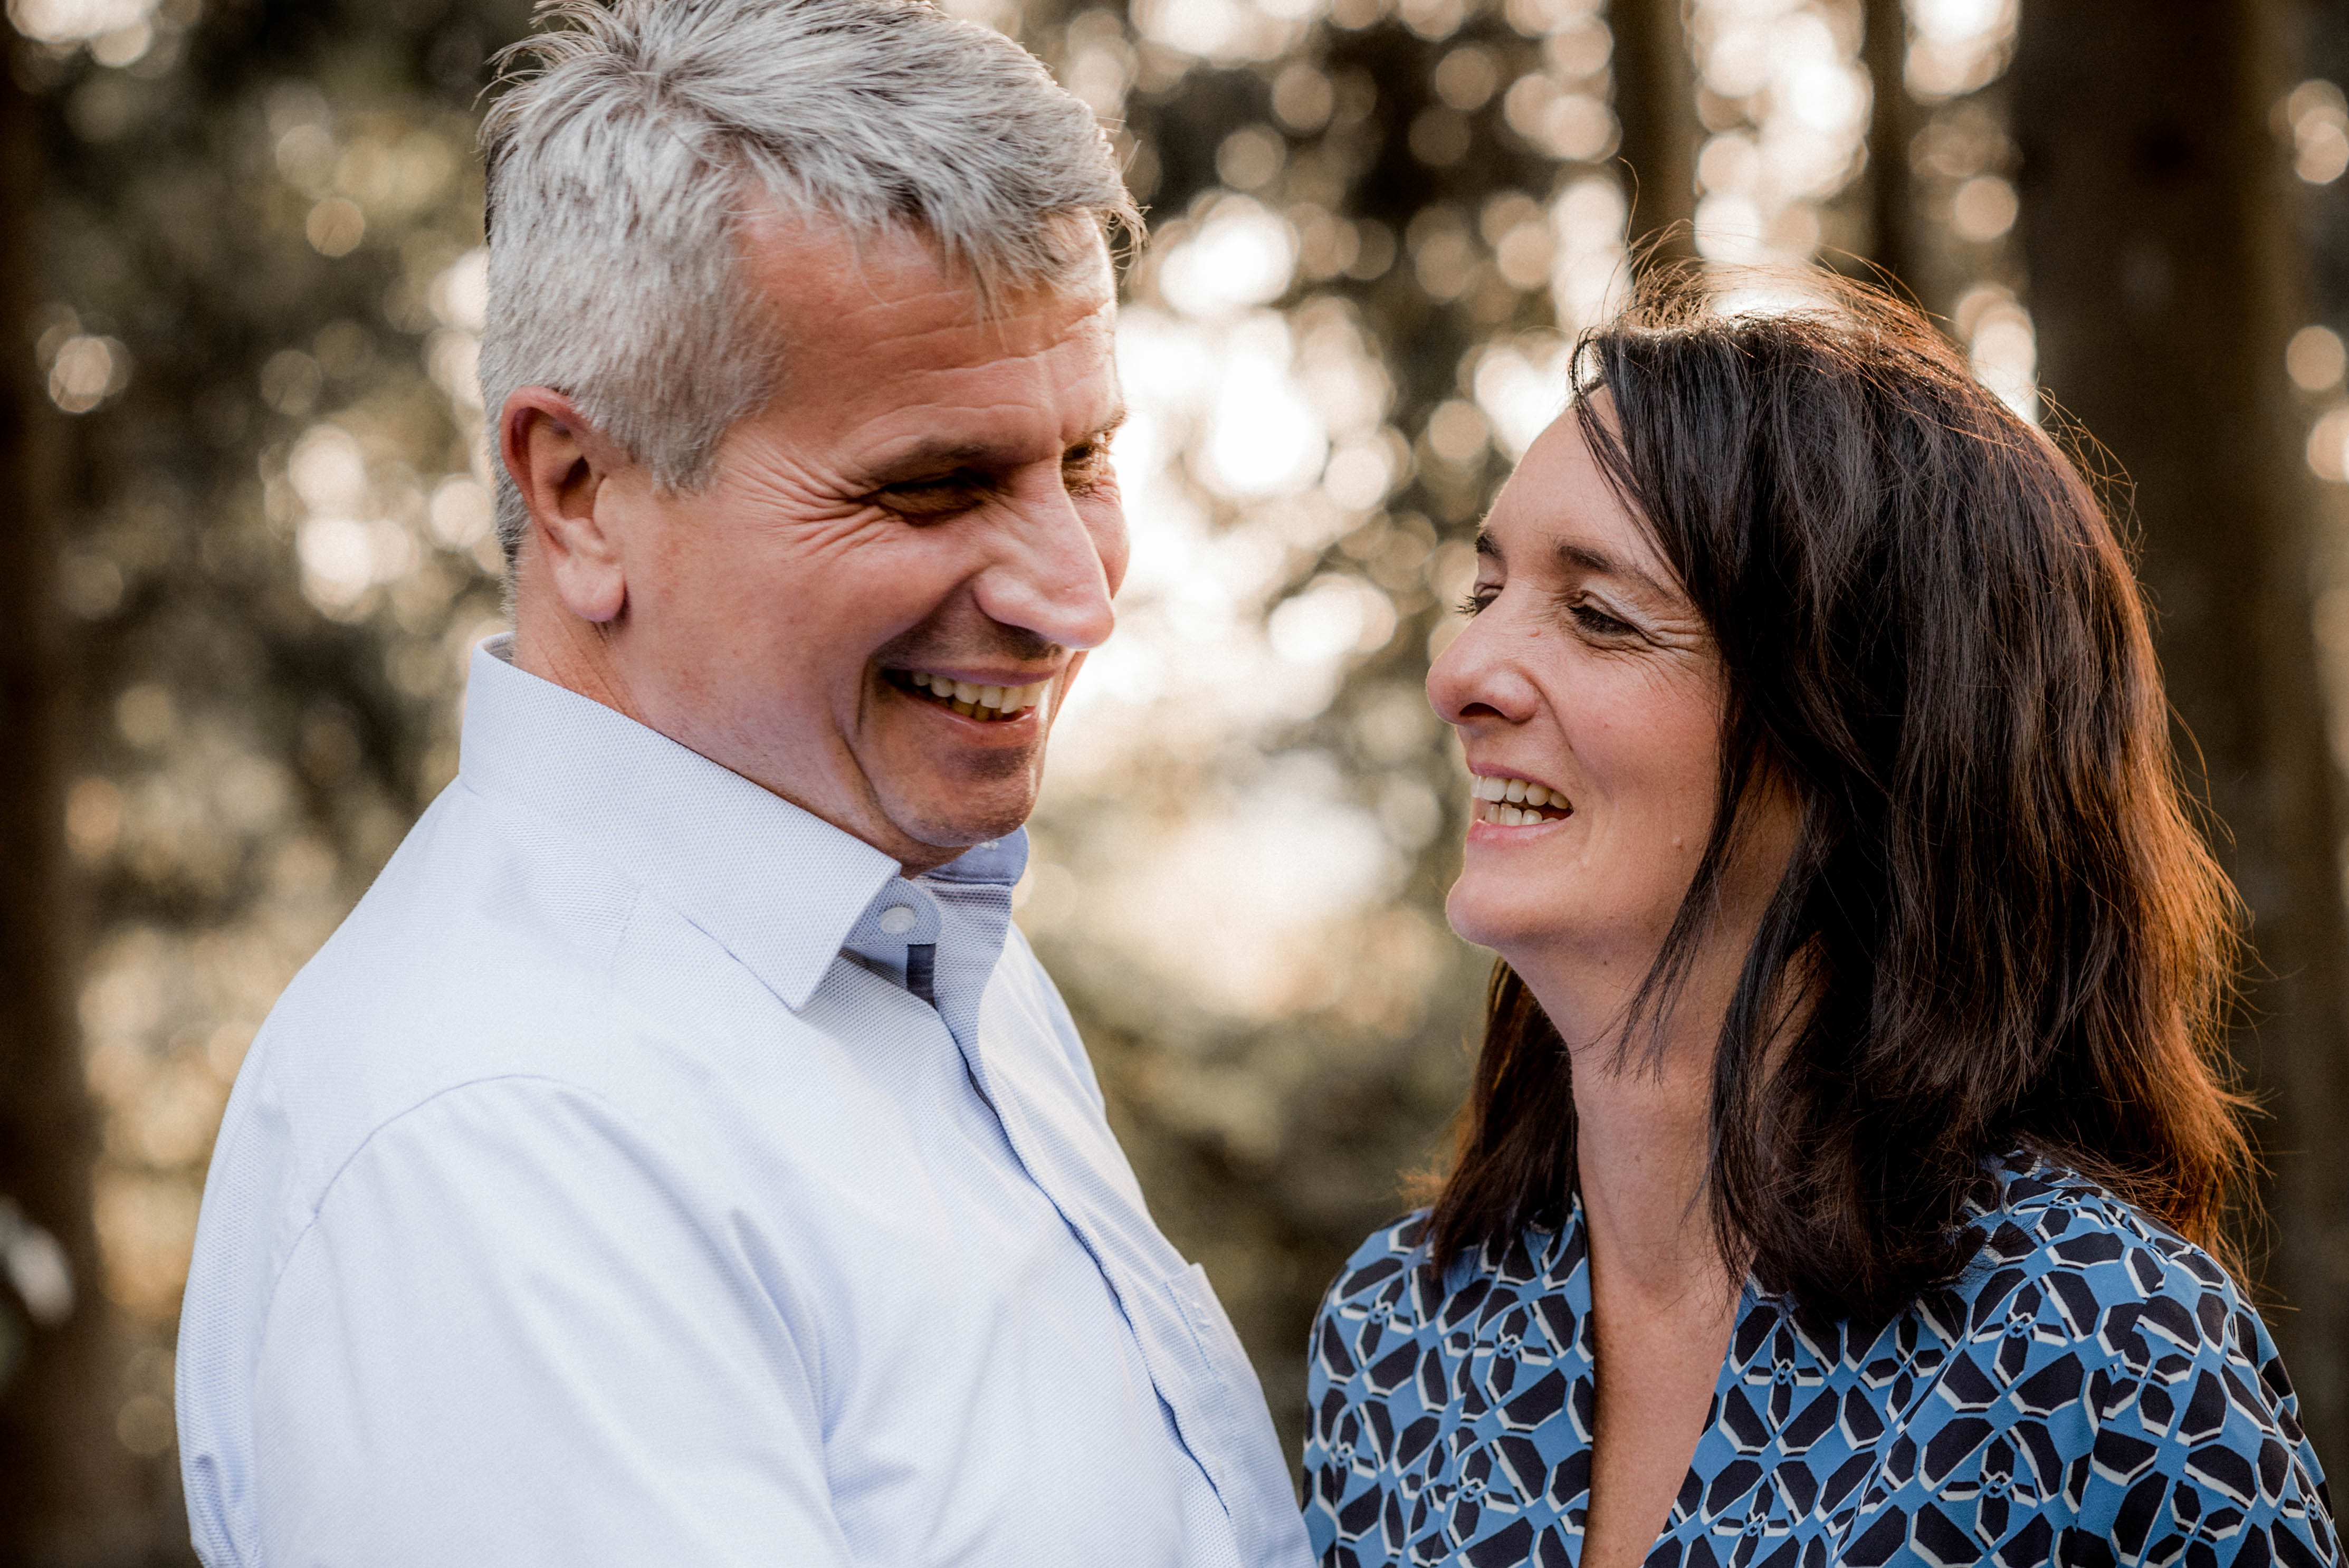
[{"x": 512, "y": 1336}]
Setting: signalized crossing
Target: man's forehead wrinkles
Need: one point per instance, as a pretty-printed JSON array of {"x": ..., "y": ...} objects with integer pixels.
[
  {"x": 929, "y": 368},
  {"x": 950, "y": 409},
  {"x": 989, "y": 417},
  {"x": 909, "y": 444},
  {"x": 933, "y": 349},
  {"x": 821, "y": 307}
]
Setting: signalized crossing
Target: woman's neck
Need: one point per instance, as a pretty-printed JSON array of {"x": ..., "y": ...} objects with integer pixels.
[
  {"x": 1643, "y": 1111},
  {"x": 1641, "y": 1146},
  {"x": 1663, "y": 1302}
]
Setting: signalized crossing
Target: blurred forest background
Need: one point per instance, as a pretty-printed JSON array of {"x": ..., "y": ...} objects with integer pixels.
[{"x": 244, "y": 545}]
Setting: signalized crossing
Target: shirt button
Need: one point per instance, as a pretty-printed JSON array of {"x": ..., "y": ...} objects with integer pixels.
[{"x": 897, "y": 919}]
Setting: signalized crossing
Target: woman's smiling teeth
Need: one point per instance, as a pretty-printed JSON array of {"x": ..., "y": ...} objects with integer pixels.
[
  {"x": 986, "y": 703},
  {"x": 1514, "y": 803}
]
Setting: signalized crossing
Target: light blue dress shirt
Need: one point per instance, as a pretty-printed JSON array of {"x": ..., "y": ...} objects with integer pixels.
[{"x": 601, "y": 1194}]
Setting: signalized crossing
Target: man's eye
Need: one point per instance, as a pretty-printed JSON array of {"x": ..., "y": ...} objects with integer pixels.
[
  {"x": 930, "y": 497},
  {"x": 1480, "y": 599},
  {"x": 1086, "y": 468}
]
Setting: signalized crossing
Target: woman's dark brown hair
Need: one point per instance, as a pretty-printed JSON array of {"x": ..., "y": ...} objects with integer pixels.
[{"x": 1999, "y": 927}]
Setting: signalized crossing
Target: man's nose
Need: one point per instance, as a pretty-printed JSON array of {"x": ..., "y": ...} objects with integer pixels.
[{"x": 1050, "y": 578}]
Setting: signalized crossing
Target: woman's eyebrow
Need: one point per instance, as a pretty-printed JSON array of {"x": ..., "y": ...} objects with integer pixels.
[{"x": 1598, "y": 563}]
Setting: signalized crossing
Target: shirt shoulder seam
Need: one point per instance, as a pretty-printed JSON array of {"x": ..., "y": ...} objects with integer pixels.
[{"x": 326, "y": 1188}]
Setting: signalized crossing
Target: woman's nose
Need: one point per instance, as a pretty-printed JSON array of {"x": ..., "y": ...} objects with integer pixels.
[{"x": 1477, "y": 678}]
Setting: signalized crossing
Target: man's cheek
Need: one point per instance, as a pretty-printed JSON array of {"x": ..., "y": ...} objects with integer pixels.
[
  {"x": 1105, "y": 520},
  {"x": 1068, "y": 679}
]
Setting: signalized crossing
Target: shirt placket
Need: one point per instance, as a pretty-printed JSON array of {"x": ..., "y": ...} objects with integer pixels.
[
  {"x": 898, "y": 934},
  {"x": 1149, "y": 1285},
  {"x": 907, "y": 930}
]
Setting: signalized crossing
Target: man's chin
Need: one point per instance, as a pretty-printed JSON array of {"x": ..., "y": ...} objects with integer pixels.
[
  {"x": 949, "y": 831},
  {"x": 948, "y": 803}
]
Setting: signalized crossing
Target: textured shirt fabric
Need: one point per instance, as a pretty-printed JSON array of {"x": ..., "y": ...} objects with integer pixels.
[
  {"x": 600, "y": 1194},
  {"x": 2092, "y": 1390}
]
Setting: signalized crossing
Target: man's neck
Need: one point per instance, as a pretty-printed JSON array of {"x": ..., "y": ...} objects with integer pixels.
[
  {"x": 577, "y": 655},
  {"x": 572, "y": 654}
]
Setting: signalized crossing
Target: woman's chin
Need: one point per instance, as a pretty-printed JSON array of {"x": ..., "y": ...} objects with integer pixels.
[{"x": 1500, "y": 918}]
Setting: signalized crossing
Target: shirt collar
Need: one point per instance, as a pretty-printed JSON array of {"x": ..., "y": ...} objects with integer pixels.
[{"x": 779, "y": 888}]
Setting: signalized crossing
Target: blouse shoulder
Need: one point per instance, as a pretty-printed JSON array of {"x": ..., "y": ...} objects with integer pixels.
[
  {"x": 2067, "y": 1267},
  {"x": 1383, "y": 1255},
  {"x": 2081, "y": 1311},
  {"x": 2129, "y": 1291},
  {"x": 1392, "y": 1276}
]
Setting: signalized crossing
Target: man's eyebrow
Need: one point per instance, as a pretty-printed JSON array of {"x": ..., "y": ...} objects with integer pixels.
[
  {"x": 1598, "y": 563},
  {"x": 927, "y": 457}
]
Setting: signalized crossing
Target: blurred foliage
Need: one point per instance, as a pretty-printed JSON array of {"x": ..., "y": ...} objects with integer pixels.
[
  {"x": 1376, "y": 224},
  {"x": 1251, "y": 929},
  {"x": 273, "y": 557}
]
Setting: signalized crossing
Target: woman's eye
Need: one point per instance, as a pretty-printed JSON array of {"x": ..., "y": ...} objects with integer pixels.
[
  {"x": 1480, "y": 598},
  {"x": 1590, "y": 618}
]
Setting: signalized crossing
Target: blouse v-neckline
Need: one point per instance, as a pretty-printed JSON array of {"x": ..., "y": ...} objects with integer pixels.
[{"x": 1583, "y": 1387}]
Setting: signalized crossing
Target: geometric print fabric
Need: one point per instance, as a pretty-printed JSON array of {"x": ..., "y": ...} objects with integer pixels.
[{"x": 2092, "y": 1390}]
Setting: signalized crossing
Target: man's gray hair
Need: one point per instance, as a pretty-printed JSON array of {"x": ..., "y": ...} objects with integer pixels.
[{"x": 619, "y": 168}]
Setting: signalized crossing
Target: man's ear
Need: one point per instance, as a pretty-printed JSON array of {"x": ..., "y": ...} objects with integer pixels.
[{"x": 561, "y": 464}]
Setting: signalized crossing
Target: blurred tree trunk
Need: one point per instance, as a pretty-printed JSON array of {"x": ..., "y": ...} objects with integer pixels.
[
  {"x": 63, "y": 1480},
  {"x": 1892, "y": 126},
  {"x": 2164, "y": 257},
  {"x": 1655, "y": 103}
]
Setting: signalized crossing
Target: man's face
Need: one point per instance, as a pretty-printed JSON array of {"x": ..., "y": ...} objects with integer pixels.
[{"x": 923, "y": 513}]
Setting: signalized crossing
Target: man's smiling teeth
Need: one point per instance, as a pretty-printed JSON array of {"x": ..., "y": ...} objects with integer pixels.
[
  {"x": 977, "y": 701},
  {"x": 1514, "y": 803}
]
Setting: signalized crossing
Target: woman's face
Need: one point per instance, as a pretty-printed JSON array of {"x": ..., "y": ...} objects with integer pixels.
[{"x": 1586, "y": 690}]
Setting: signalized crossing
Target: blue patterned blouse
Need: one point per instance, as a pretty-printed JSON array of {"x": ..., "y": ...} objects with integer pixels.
[{"x": 2092, "y": 1390}]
